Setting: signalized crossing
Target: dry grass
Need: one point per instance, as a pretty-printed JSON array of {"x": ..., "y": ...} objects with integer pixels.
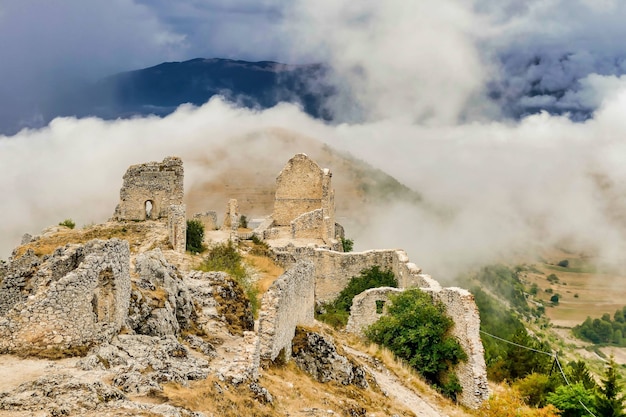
[
  {"x": 268, "y": 269},
  {"x": 54, "y": 353},
  {"x": 133, "y": 232},
  {"x": 215, "y": 397}
]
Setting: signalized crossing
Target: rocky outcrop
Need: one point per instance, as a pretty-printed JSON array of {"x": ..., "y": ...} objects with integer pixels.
[
  {"x": 142, "y": 363},
  {"x": 74, "y": 298},
  {"x": 161, "y": 304},
  {"x": 317, "y": 355},
  {"x": 220, "y": 301}
]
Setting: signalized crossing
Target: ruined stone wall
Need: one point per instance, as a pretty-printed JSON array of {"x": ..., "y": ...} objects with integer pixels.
[
  {"x": 177, "y": 225},
  {"x": 208, "y": 220},
  {"x": 309, "y": 225},
  {"x": 472, "y": 374},
  {"x": 333, "y": 270},
  {"x": 287, "y": 303},
  {"x": 160, "y": 184},
  {"x": 365, "y": 312},
  {"x": 231, "y": 218},
  {"x": 298, "y": 189},
  {"x": 460, "y": 306},
  {"x": 80, "y": 296}
]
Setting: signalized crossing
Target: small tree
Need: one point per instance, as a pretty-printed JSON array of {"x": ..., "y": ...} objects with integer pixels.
[
  {"x": 417, "y": 329},
  {"x": 68, "y": 223},
  {"x": 573, "y": 400},
  {"x": 243, "y": 221},
  {"x": 195, "y": 236},
  {"x": 347, "y": 244},
  {"x": 610, "y": 400}
]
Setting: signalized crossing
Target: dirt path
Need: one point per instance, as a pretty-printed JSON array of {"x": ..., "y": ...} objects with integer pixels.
[{"x": 394, "y": 388}]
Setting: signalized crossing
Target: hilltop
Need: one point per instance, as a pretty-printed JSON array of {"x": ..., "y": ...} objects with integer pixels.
[{"x": 116, "y": 319}]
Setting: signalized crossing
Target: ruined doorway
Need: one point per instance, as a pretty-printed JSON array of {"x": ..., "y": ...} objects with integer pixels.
[
  {"x": 103, "y": 301},
  {"x": 149, "y": 205}
]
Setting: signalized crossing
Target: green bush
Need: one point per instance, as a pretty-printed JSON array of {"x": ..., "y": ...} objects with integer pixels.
[
  {"x": 347, "y": 244},
  {"x": 336, "y": 313},
  {"x": 553, "y": 278},
  {"x": 195, "y": 236},
  {"x": 68, "y": 223},
  {"x": 243, "y": 221},
  {"x": 417, "y": 329},
  {"x": 225, "y": 257}
]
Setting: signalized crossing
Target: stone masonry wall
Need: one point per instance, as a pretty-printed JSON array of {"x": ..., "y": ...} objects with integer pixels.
[
  {"x": 160, "y": 184},
  {"x": 177, "y": 225},
  {"x": 80, "y": 296},
  {"x": 333, "y": 270},
  {"x": 309, "y": 225},
  {"x": 231, "y": 218},
  {"x": 460, "y": 306},
  {"x": 287, "y": 303},
  {"x": 364, "y": 310},
  {"x": 472, "y": 374},
  {"x": 208, "y": 220},
  {"x": 298, "y": 189}
]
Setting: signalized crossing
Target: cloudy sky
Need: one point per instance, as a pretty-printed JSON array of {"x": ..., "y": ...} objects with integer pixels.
[{"x": 448, "y": 92}]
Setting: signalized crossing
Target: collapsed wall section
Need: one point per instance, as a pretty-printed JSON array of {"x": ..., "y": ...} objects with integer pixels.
[
  {"x": 289, "y": 302},
  {"x": 81, "y": 298},
  {"x": 150, "y": 189}
]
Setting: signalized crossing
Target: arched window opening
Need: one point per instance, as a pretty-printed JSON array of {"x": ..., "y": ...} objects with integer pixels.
[{"x": 148, "y": 209}]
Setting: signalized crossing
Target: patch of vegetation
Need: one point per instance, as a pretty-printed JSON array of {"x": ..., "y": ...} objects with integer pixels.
[
  {"x": 337, "y": 312},
  {"x": 195, "y": 236},
  {"x": 243, "y": 221},
  {"x": 555, "y": 299},
  {"x": 417, "y": 330},
  {"x": 506, "y": 361},
  {"x": 553, "y": 278},
  {"x": 69, "y": 223},
  {"x": 604, "y": 330},
  {"x": 260, "y": 248},
  {"x": 347, "y": 244},
  {"x": 225, "y": 257},
  {"x": 563, "y": 264},
  {"x": 504, "y": 282}
]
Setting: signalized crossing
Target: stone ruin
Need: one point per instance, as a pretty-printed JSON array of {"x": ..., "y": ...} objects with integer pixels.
[
  {"x": 75, "y": 298},
  {"x": 305, "y": 201},
  {"x": 81, "y": 295},
  {"x": 154, "y": 191}
]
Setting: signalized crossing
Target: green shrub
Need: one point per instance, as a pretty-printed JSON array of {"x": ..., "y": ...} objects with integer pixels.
[
  {"x": 195, "y": 236},
  {"x": 417, "y": 329},
  {"x": 553, "y": 278},
  {"x": 243, "y": 221},
  {"x": 564, "y": 263},
  {"x": 337, "y": 312},
  {"x": 347, "y": 244},
  {"x": 225, "y": 257},
  {"x": 68, "y": 223},
  {"x": 555, "y": 299}
]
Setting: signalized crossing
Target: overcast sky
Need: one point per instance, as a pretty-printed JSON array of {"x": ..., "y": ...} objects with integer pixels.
[{"x": 435, "y": 81}]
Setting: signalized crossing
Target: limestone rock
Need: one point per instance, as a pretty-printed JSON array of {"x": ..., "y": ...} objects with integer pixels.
[
  {"x": 59, "y": 395},
  {"x": 220, "y": 300},
  {"x": 141, "y": 363},
  {"x": 318, "y": 356},
  {"x": 160, "y": 304}
]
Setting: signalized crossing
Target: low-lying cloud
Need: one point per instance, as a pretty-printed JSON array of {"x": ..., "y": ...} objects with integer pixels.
[{"x": 414, "y": 81}]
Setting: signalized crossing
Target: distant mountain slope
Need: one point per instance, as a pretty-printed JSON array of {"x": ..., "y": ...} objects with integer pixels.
[{"x": 161, "y": 89}]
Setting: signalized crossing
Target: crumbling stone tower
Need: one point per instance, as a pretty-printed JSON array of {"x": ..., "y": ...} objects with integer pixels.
[
  {"x": 305, "y": 200},
  {"x": 150, "y": 189}
]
